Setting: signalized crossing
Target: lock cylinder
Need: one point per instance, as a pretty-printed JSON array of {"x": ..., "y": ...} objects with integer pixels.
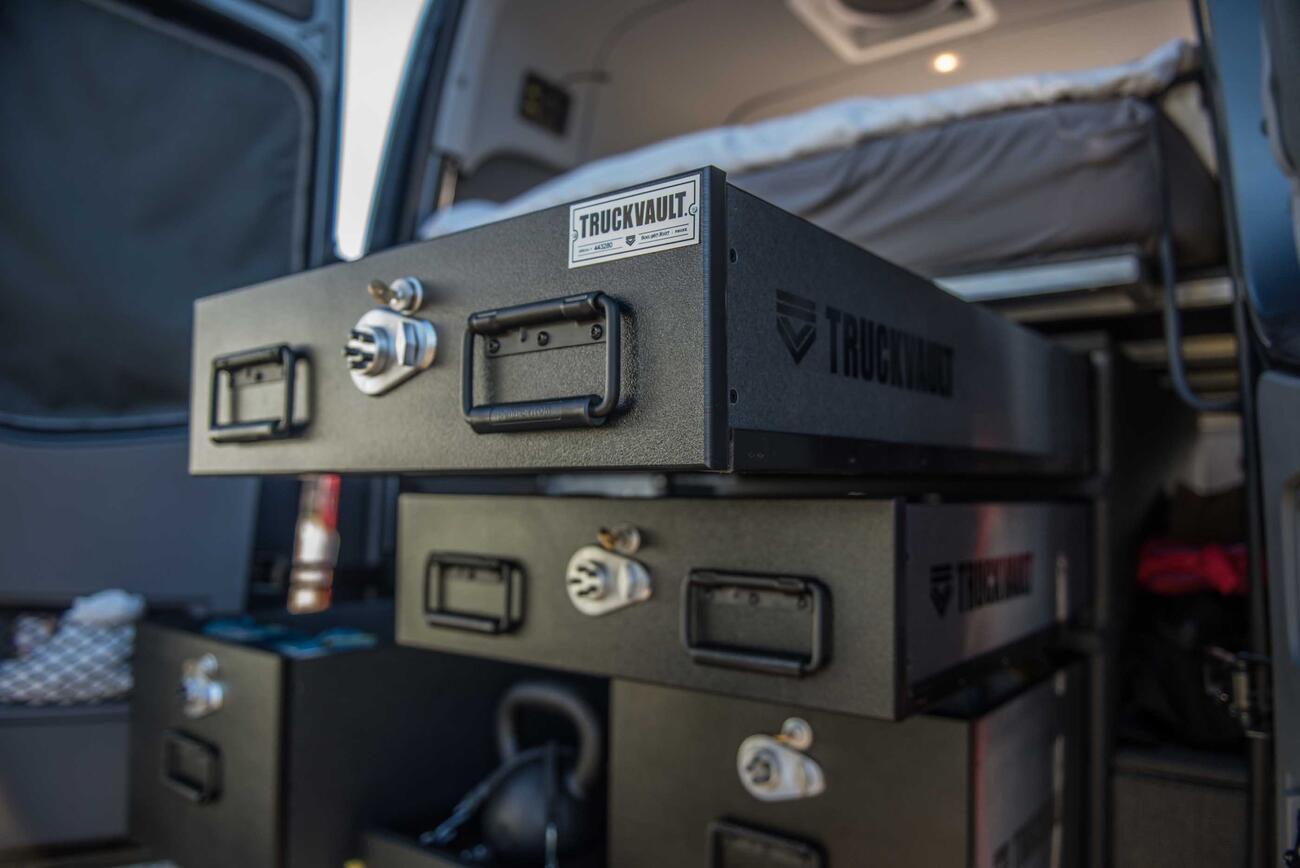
[
  {"x": 367, "y": 351},
  {"x": 601, "y": 581},
  {"x": 775, "y": 768},
  {"x": 385, "y": 348},
  {"x": 200, "y": 691}
]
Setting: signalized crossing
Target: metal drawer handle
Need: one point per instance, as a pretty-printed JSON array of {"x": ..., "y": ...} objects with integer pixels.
[
  {"x": 441, "y": 568},
  {"x": 273, "y": 428},
  {"x": 578, "y": 411},
  {"x": 700, "y": 583},
  {"x": 191, "y": 767},
  {"x": 731, "y": 844}
]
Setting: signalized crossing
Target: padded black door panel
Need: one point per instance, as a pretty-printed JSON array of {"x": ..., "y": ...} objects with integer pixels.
[{"x": 150, "y": 160}]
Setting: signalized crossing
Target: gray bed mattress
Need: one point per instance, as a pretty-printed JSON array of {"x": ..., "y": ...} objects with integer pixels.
[{"x": 1010, "y": 187}]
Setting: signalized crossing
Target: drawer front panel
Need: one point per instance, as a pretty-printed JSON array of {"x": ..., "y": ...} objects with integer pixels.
[
  {"x": 205, "y": 791},
  {"x": 988, "y": 792},
  {"x": 812, "y": 602}
]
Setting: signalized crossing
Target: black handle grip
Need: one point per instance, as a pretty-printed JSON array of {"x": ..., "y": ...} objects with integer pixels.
[
  {"x": 767, "y": 662},
  {"x": 191, "y": 767},
  {"x": 471, "y": 623},
  {"x": 508, "y": 574},
  {"x": 572, "y": 307},
  {"x": 731, "y": 844},
  {"x": 252, "y": 430},
  {"x": 578, "y": 411}
]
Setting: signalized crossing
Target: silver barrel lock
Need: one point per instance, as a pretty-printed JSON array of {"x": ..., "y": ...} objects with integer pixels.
[
  {"x": 604, "y": 578},
  {"x": 386, "y": 348},
  {"x": 776, "y": 769},
  {"x": 201, "y": 693},
  {"x": 404, "y": 295}
]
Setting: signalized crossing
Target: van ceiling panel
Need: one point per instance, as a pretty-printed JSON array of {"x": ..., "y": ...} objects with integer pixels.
[{"x": 142, "y": 167}]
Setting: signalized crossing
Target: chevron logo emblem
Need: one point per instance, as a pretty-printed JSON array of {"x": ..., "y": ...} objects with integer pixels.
[
  {"x": 796, "y": 321},
  {"x": 941, "y": 587}
]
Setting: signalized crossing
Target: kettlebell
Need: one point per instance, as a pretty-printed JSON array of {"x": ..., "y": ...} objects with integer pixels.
[{"x": 540, "y": 809}]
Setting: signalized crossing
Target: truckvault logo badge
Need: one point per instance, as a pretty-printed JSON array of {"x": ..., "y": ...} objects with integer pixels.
[
  {"x": 941, "y": 587},
  {"x": 798, "y": 339},
  {"x": 981, "y": 582},
  {"x": 659, "y": 216}
]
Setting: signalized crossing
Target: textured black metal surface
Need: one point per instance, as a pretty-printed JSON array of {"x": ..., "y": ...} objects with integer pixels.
[
  {"x": 851, "y": 547},
  {"x": 796, "y": 299},
  {"x": 929, "y": 791},
  {"x": 662, "y": 420},
  {"x": 711, "y": 344},
  {"x": 241, "y": 827},
  {"x": 311, "y": 751}
]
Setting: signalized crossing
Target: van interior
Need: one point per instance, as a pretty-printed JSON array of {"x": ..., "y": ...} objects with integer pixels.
[{"x": 1079, "y": 166}]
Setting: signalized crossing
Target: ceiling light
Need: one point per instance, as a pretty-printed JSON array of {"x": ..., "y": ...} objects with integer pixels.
[{"x": 945, "y": 62}]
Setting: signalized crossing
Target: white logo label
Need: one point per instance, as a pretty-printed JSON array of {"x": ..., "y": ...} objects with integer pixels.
[{"x": 645, "y": 220}]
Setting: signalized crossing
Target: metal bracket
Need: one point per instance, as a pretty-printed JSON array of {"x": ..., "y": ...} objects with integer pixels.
[{"x": 1235, "y": 680}]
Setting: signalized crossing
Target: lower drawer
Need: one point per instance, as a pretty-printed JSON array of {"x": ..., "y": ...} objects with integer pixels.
[
  {"x": 701, "y": 781},
  {"x": 869, "y": 607}
]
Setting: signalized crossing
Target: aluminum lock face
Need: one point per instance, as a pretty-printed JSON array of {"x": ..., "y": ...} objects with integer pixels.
[
  {"x": 201, "y": 692},
  {"x": 600, "y": 581},
  {"x": 772, "y": 771},
  {"x": 385, "y": 349}
]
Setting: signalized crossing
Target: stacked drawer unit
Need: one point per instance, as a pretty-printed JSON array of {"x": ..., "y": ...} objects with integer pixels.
[
  {"x": 269, "y": 748},
  {"x": 732, "y": 337},
  {"x": 792, "y": 677},
  {"x": 697, "y": 780},
  {"x": 866, "y": 607}
]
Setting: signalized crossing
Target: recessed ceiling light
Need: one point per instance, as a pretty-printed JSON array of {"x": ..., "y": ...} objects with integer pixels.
[{"x": 945, "y": 62}]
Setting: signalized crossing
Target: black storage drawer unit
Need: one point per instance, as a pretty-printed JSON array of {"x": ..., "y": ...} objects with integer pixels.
[
  {"x": 868, "y": 607},
  {"x": 300, "y": 754},
  {"x": 718, "y": 333},
  {"x": 990, "y": 791}
]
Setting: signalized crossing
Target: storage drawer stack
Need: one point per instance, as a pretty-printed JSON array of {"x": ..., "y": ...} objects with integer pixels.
[{"x": 829, "y": 631}]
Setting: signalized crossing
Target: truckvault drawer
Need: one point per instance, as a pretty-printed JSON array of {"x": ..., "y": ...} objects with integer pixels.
[
  {"x": 281, "y": 760},
  {"x": 870, "y": 607},
  {"x": 721, "y": 333},
  {"x": 776, "y": 786}
]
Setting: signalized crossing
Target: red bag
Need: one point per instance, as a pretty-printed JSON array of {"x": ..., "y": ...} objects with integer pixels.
[{"x": 1173, "y": 569}]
